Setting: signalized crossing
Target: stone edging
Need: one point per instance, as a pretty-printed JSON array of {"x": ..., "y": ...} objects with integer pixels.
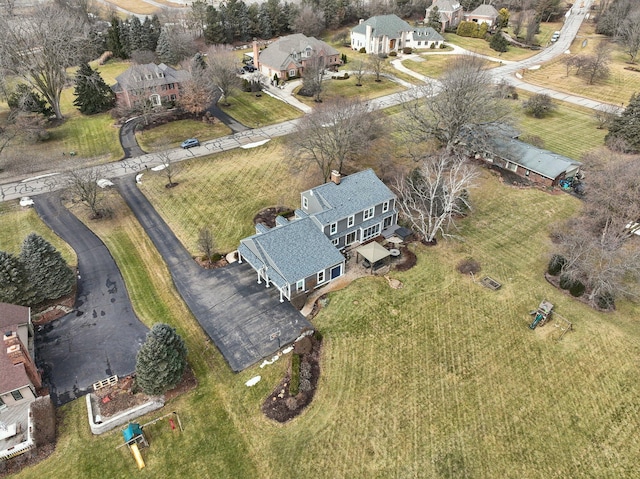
[{"x": 122, "y": 418}]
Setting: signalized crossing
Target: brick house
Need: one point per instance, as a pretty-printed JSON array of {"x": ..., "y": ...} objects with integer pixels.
[{"x": 159, "y": 84}]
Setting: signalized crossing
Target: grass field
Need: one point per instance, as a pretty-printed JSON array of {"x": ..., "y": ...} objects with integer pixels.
[
  {"x": 570, "y": 130},
  {"x": 333, "y": 89},
  {"x": 255, "y": 111},
  {"x": 441, "y": 378},
  {"x": 172, "y": 134},
  {"x": 481, "y": 46},
  {"x": 432, "y": 66},
  {"x": 18, "y": 222}
]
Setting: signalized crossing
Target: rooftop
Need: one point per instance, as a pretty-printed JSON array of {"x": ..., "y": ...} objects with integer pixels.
[
  {"x": 137, "y": 76},
  {"x": 383, "y": 25},
  {"x": 12, "y": 314},
  {"x": 281, "y": 52}
]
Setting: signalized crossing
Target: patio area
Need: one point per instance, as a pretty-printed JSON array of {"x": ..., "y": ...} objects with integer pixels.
[{"x": 14, "y": 427}]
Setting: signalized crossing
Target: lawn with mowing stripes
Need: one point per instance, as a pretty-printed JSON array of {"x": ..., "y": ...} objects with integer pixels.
[
  {"x": 224, "y": 192},
  {"x": 172, "y": 134},
  {"x": 570, "y": 130},
  {"x": 255, "y": 111},
  {"x": 336, "y": 89},
  {"x": 18, "y": 222}
]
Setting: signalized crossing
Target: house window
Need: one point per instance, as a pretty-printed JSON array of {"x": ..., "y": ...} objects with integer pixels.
[
  {"x": 387, "y": 222},
  {"x": 137, "y": 78},
  {"x": 368, "y": 213},
  {"x": 419, "y": 43},
  {"x": 305, "y": 202},
  {"x": 17, "y": 395},
  {"x": 320, "y": 276},
  {"x": 526, "y": 173},
  {"x": 351, "y": 238},
  {"x": 292, "y": 72},
  {"x": 350, "y": 221},
  {"x": 300, "y": 285},
  {"x": 173, "y": 98},
  {"x": 160, "y": 75},
  {"x": 155, "y": 100},
  {"x": 511, "y": 166},
  {"x": 333, "y": 229},
  {"x": 336, "y": 271},
  {"x": 149, "y": 76},
  {"x": 370, "y": 232},
  {"x": 336, "y": 242},
  {"x": 385, "y": 206}
]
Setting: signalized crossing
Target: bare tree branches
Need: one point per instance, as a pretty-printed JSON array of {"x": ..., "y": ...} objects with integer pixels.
[
  {"x": 40, "y": 47},
  {"x": 223, "y": 70},
  {"x": 335, "y": 133},
  {"x": 84, "y": 185},
  {"x": 433, "y": 195},
  {"x": 312, "y": 78}
]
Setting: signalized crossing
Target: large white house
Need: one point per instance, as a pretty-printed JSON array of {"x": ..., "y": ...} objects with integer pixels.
[{"x": 384, "y": 34}]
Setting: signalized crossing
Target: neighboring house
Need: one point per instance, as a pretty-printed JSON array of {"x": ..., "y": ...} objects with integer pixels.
[
  {"x": 389, "y": 33},
  {"x": 19, "y": 379},
  {"x": 451, "y": 12},
  {"x": 303, "y": 253},
  {"x": 288, "y": 56},
  {"x": 535, "y": 164},
  {"x": 158, "y": 84},
  {"x": 483, "y": 14}
]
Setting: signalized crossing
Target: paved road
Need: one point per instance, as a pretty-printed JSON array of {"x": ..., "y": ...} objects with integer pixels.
[
  {"x": 245, "y": 320},
  {"x": 128, "y": 139},
  {"x": 102, "y": 335}
]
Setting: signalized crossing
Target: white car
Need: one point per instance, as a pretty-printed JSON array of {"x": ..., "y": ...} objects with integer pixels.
[{"x": 555, "y": 36}]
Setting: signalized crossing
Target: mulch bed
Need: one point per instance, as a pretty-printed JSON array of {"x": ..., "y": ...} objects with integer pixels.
[
  {"x": 408, "y": 259},
  {"x": 53, "y": 309},
  {"x": 203, "y": 263},
  {"x": 267, "y": 216},
  {"x": 281, "y": 406}
]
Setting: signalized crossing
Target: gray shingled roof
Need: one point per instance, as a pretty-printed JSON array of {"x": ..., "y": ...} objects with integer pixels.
[
  {"x": 355, "y": 193},
  {"x": 279, "y": 53},
  {"x": 291, "y": 252},
  {"x": 127, "y": 79},
  {"x": 484, "y": 10},
  {"x": 12, "y": 314},
  {"x": 428, "y": 34},
  {"x": 543, "y": 162},
  {"x": 383, "y": 25},
  {"x": 446, "y": 5}
]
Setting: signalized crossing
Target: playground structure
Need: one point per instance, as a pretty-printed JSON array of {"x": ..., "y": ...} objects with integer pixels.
[
  {"x": 134, "y": 437},
  {"x": 542, "y": 314}
]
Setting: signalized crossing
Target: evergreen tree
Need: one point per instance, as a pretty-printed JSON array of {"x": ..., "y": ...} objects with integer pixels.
[
  {"x": 146, "y": 36},
  {"x": 14, "y": 283},
  {"x": 498, "y": 42},
  {"x": 93, "y": 95},
  {"x": 163, "y": 49},
  {"x": 135, "y": 35},
  {"x": 46, "y": 270},
  {"x": 433, "y": 20},
  {"x": 626, "y": 127},
  {"x": 213, "y": 33},
  {"x": 125, "y": 39},
  {"x": 161, "y": 360},
  {"x": 114, "y": 43},
  {"x": 25, "y": 99},
  {"x": 264, "y": 21}
]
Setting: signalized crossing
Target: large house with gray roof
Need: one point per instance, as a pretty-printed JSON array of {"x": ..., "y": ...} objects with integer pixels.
[
  {"x": 303, "y": 253},
  {"x": 288, "y": 56},
  {"x": 384, "y": 34},
  {"x": 158, "y": 84}
]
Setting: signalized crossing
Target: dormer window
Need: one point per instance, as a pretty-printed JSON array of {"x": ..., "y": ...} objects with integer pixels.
[
  {"x": 149, "y": 76},
  {"x": 160, "y": 75},
  {"x": 333, "y": 229},
  {"x": 137, "y": 78},
  {"x": 385, "y": 206},
  {"x": 305, "y": 202},
  {"x": 368, "y": 213}
]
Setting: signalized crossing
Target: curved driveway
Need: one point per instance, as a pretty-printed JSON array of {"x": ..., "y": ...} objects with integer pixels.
[
  {"x": 245, "y": 320},
  {"x": 102, "y": 335}
]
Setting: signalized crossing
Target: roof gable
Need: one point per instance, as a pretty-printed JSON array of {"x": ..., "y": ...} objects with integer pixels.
[
  {"x": 484, "y": 10},
  {"x": 391, "y": 26},
  {"x": 447, "y": 6},
  {"x": 282, "y": 52},
  {"x": 150, "y": 74}
]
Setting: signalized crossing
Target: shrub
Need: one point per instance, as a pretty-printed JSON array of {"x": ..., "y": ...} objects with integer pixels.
[
  {"x": 555, "y": 264},
  {"x": 295, "y": 374},
  {"x": 443, "y": 46},
  {"x": 407, "y": 50},
  {"x": 393, "y": 54},
  {"x": 303, "y": 346},
  {"x": 305, "y": 370},
  {"x": 292, "y": 403},
  {"x": 216, "y": 257},
  {"x": 605, "y": 301},
  {"x": 362, "y": 50},
  {"x": 566, "y": 282},
  {"x": 343, "y": 57},
  {"x": 305, "y": 385},
  {"x": 498, "y": 42},
  {"x": 433, "y": 46},
  {"x": 577, "y": 289},
  {"x": 469, "y": 265},
  {"x": 539, "y": 105}
]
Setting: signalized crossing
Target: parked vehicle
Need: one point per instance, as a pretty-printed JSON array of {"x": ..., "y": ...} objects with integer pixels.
[
  {"x": 555, "y": 36},
  {"x": 190, "y": 143},
  {"x": 249, "y": 68}
]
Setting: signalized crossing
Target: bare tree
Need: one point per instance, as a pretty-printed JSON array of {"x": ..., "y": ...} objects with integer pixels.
[
  {"x": 377, "y": 65},
  {"x": 629, "y": 35},
  {"x": 461, "y": 110},
  {"x": 596, "y": 66},
  {"x": 600, "y": 247},
  {"x": 199, "y": 92},
  {"x": 223, "y": 69},
  {"x": 335, "y": 133},
  {"x": 605, "y": 116},
  {"x": 532, "y": 27},
  {"x": 206, "y": 243},
  {"x": 313, "y": 77},
  {"x": 169, "y": 168},
  {"x": 40, "y": 48},
  {"x": 84, "y": 185},
  {"x": 433, "y": 195},
  {"x": 359, "y": 69},
  {"x": 309, "y": 21}
]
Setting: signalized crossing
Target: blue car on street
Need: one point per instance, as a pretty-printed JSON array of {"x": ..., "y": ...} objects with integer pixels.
[{"x": 191, "y": 142}]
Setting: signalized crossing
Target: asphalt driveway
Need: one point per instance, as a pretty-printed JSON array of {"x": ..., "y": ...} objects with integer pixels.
[
  {"x": 245, "y": 320},
  {"x": 102, "y": 335}
]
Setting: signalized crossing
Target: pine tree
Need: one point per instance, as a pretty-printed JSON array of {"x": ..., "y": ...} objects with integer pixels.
[
  {"x": 125, "y": 39},
  {"x": 163, "y": 49},
  {"x": 626, "y": 127},
  {"x": 14, "y": 284},
  {"x": 46, "y": 270},
  {"x": 161, "y": 360},
  {"x": 135, "y": 35},
  {"x": 93, "y": 95},
  {"x": 434, "y": 20},
  {"x": 114, "y": 40},
  {"x": 498, "y": 42}
]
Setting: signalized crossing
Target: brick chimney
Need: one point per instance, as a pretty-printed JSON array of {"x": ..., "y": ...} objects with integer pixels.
[
  {"x": 256, "y": 54},
  {"x": 336, "y": 176},
  {"x": 17, "y": 354}
]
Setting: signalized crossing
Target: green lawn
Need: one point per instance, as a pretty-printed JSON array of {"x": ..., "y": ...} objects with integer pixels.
[
  {"x": 432, "y": 66},
  {"x": 18, "y": 222},
  {"x": 570, "y": 130},
  {"x": 481, "y": 46},
  {"x": 441, "y": 378},
  {"x": 259, "y": 111},
  {"x": 172, "y": 134},
  {"x": 333, "y": 89}
]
